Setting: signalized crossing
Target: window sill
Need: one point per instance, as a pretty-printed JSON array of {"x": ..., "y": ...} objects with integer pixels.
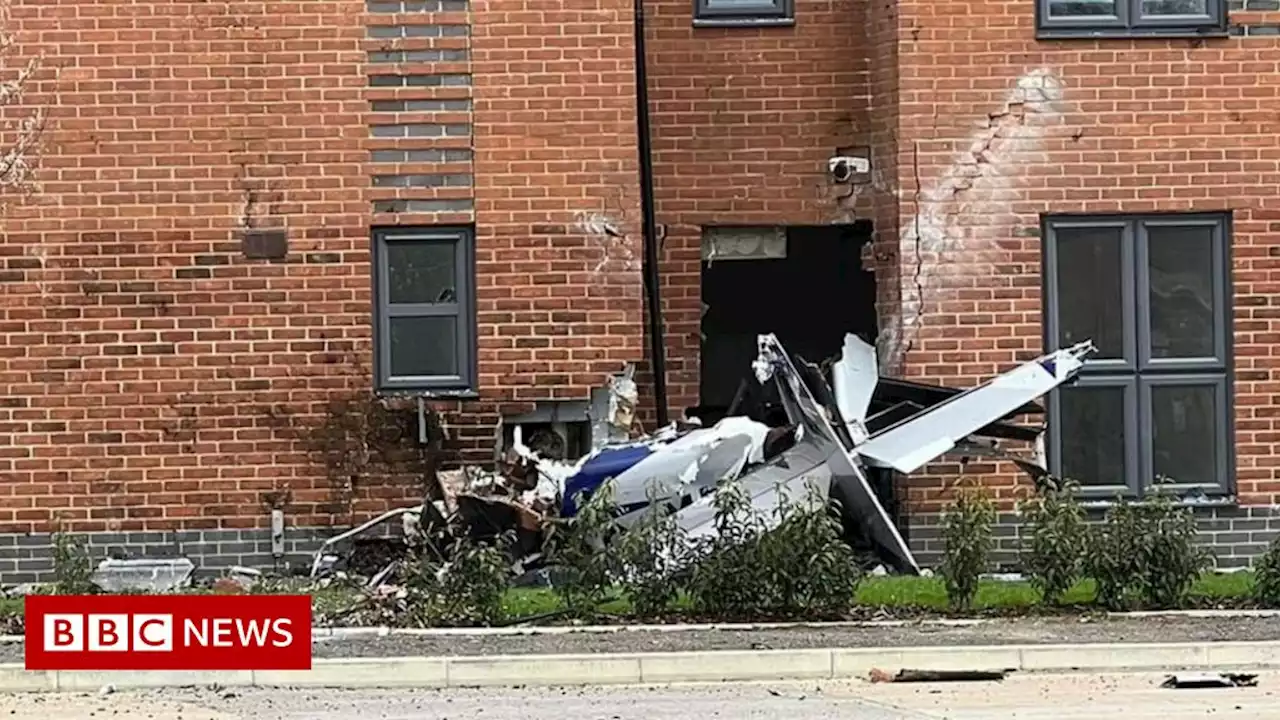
[
  {"x": 1068, "y": 33},
  {"x": 430, "y": 393},
  {"x": 1204, "y": 501},
  {"x": 742, "y": 22}
]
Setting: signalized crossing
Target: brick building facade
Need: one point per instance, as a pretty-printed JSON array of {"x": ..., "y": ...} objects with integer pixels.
[{"x": 252, "y": 213}]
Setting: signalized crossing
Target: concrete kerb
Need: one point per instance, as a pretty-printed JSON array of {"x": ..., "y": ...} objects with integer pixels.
[
  {"x": 680, "y": 667},
  {"x": 321, "y": 633}
]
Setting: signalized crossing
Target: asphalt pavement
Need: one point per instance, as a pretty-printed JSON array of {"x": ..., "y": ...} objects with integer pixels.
[{"x": 1027, "y": 697}]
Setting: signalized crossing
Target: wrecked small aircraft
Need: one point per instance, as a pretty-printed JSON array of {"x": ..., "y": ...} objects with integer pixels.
[{"x": 831, "y": 435}]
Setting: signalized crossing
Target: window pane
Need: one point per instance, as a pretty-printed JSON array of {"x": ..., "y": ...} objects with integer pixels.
[
  {"x": 1082, "y": 8},
  {"x": 1184, "y": 431},
  {"x": 1175, "y": 7},
  {"x": 1090, "y": 297},
  {"x": 422, "y": 272},
  {"x": 1093, "y": 435},
  {"x": 1182, "y": 306},
  {"x": 424, "y": 346}
]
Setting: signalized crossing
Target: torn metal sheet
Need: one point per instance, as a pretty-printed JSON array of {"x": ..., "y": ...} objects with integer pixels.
[
  {"x": 928, "y": 676},
  {"x": 913, "y": 443},
  {"x": 1035, "y": 466},
  {"x": 844, "y": 467},
  {"x": 692, "y": 464},
  {"x": 623, "y": 397},
  {"x": 1195, "y": 681},
  {"x": 853, "y": 379},
  {"x": 323, "y": 558}
]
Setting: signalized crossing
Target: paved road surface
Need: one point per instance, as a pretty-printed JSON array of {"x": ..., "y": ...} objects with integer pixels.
[{"x": 1081, "y": 697}]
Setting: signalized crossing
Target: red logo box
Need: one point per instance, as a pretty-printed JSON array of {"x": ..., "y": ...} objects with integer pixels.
[{"x": 168, "y": 632}]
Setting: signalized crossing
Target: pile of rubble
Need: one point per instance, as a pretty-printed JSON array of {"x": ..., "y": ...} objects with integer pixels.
[{"x": 809, "y": 428}]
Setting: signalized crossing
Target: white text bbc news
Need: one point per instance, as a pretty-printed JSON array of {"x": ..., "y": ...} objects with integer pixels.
[{"x": 155, "y": 633}]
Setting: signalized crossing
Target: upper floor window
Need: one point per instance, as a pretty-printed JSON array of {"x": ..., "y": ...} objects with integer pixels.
[
  {"x": 743, "y": 12},
  {"x": 1152, "y": 292},
  {"x": 1119, "y": 18},
  {"x": 424, "y": 310}
]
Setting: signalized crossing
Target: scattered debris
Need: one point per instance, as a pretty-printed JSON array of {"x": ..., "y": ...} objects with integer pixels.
[
  {"x": 921, "y": 676},
  {"x": 1191, "y": 681},
  {"x": 828, "y": 429},
  {"x": 155, "y": 575}
]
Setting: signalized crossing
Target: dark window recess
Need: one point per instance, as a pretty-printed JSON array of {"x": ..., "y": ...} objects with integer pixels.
[
  {"x": 1154, "y": 403},
  {"x": 425, "y": 322},
  {"x": 743, "y": 12},
  {"x": 1119, "y": 18}
]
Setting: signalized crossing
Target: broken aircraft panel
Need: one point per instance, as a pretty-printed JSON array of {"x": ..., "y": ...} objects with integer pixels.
[
  {"x": 916, "y": 441},
  {"x": 846, "y": 471}
]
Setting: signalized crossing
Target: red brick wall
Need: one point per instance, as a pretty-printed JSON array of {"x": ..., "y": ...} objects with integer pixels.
[
  {"x": 1138, "y": 126},
  {"x": 744, "y": 120},
  {"x": 556, "y": 164},
  {"x": 144, "y": 363},
  {"x": 138, "y": 349}
]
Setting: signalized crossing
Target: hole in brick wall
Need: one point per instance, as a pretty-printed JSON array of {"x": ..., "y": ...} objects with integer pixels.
[{"x": 265, "y": 244}]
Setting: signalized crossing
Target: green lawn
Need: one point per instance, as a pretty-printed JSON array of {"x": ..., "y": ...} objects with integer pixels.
[
  {"x": 927, "y": 594},
  {"x": 893, "y": 595}
]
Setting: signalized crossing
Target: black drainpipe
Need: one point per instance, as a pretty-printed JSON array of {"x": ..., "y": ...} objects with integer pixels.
[{"x": 652, "y": 278}]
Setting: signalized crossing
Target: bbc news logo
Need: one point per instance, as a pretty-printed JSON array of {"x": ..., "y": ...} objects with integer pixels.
[{"x": 168, "y": 632}]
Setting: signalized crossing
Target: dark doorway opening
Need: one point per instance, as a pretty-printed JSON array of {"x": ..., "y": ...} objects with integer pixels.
[
  {"x": 809, "y": 298},
  {"x": 810, "y": 289}
]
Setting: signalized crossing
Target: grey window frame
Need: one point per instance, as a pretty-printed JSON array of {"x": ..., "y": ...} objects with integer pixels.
[
  {"x": 1138, "y": 372},
  {"x": 1130, "y": 22},
  {"x": 464, "y": 384},
  {"x": 761, "y": 12}
]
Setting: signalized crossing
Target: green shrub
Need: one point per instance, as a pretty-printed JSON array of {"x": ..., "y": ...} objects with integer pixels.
[
  {"x": 579, "y": 551},
  {"x": 728, "y": 579},
  {"x": 1145, "y": 555},
  {"x": 967, "y": 532},
  {"x": 651, "y": 555},
  {"x": 72, "y": 566},
  {"x": 800, "y": 568},
  {"x": 815, "y": 573},
  {"x": 1266, "y": 577},
  {"x": 1115, "y": 557},
  {"x": 1174, "y": 558},
  {"x": 467, "y": 589},
  {"x": 1054, "y": 533}
]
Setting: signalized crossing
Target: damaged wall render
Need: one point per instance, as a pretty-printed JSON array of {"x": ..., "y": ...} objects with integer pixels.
[{"x": 951, "y": 242}]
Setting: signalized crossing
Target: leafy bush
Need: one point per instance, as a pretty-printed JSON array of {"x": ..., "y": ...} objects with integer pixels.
[
  {"x": 1053, "y": 547},
  {"x": 967, "y": 532},
  {"x": 728, "y": 578},
  {"x": 651, "y": 555},
  {"x": 1115, "y": 557},
  {"x": 1266, "y": 578},
  {"x": 72, "y": 566},
  {"x": 579, "y": 551},
  {"x": 1174, "y": 558},
  {"x": 816, "y": 574},
  {"x": 467, "y": 589},
  {"x": 1145, "y": 555},
  {"x": 801, "y": 568}
]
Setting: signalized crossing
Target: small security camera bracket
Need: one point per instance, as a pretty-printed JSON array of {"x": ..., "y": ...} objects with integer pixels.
[{"x": 843, "y": 168}]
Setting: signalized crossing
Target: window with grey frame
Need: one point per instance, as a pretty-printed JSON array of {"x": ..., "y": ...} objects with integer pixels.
[
  {"x": 424, "y": 309},
  {"x": 743, "y": 12},
  {"x": 1153, "y": 294},
  {"x": 1120, "y": 18}
]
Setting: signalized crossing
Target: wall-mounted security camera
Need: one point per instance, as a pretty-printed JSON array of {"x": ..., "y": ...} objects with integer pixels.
[{"x": 844, "y": 168}]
